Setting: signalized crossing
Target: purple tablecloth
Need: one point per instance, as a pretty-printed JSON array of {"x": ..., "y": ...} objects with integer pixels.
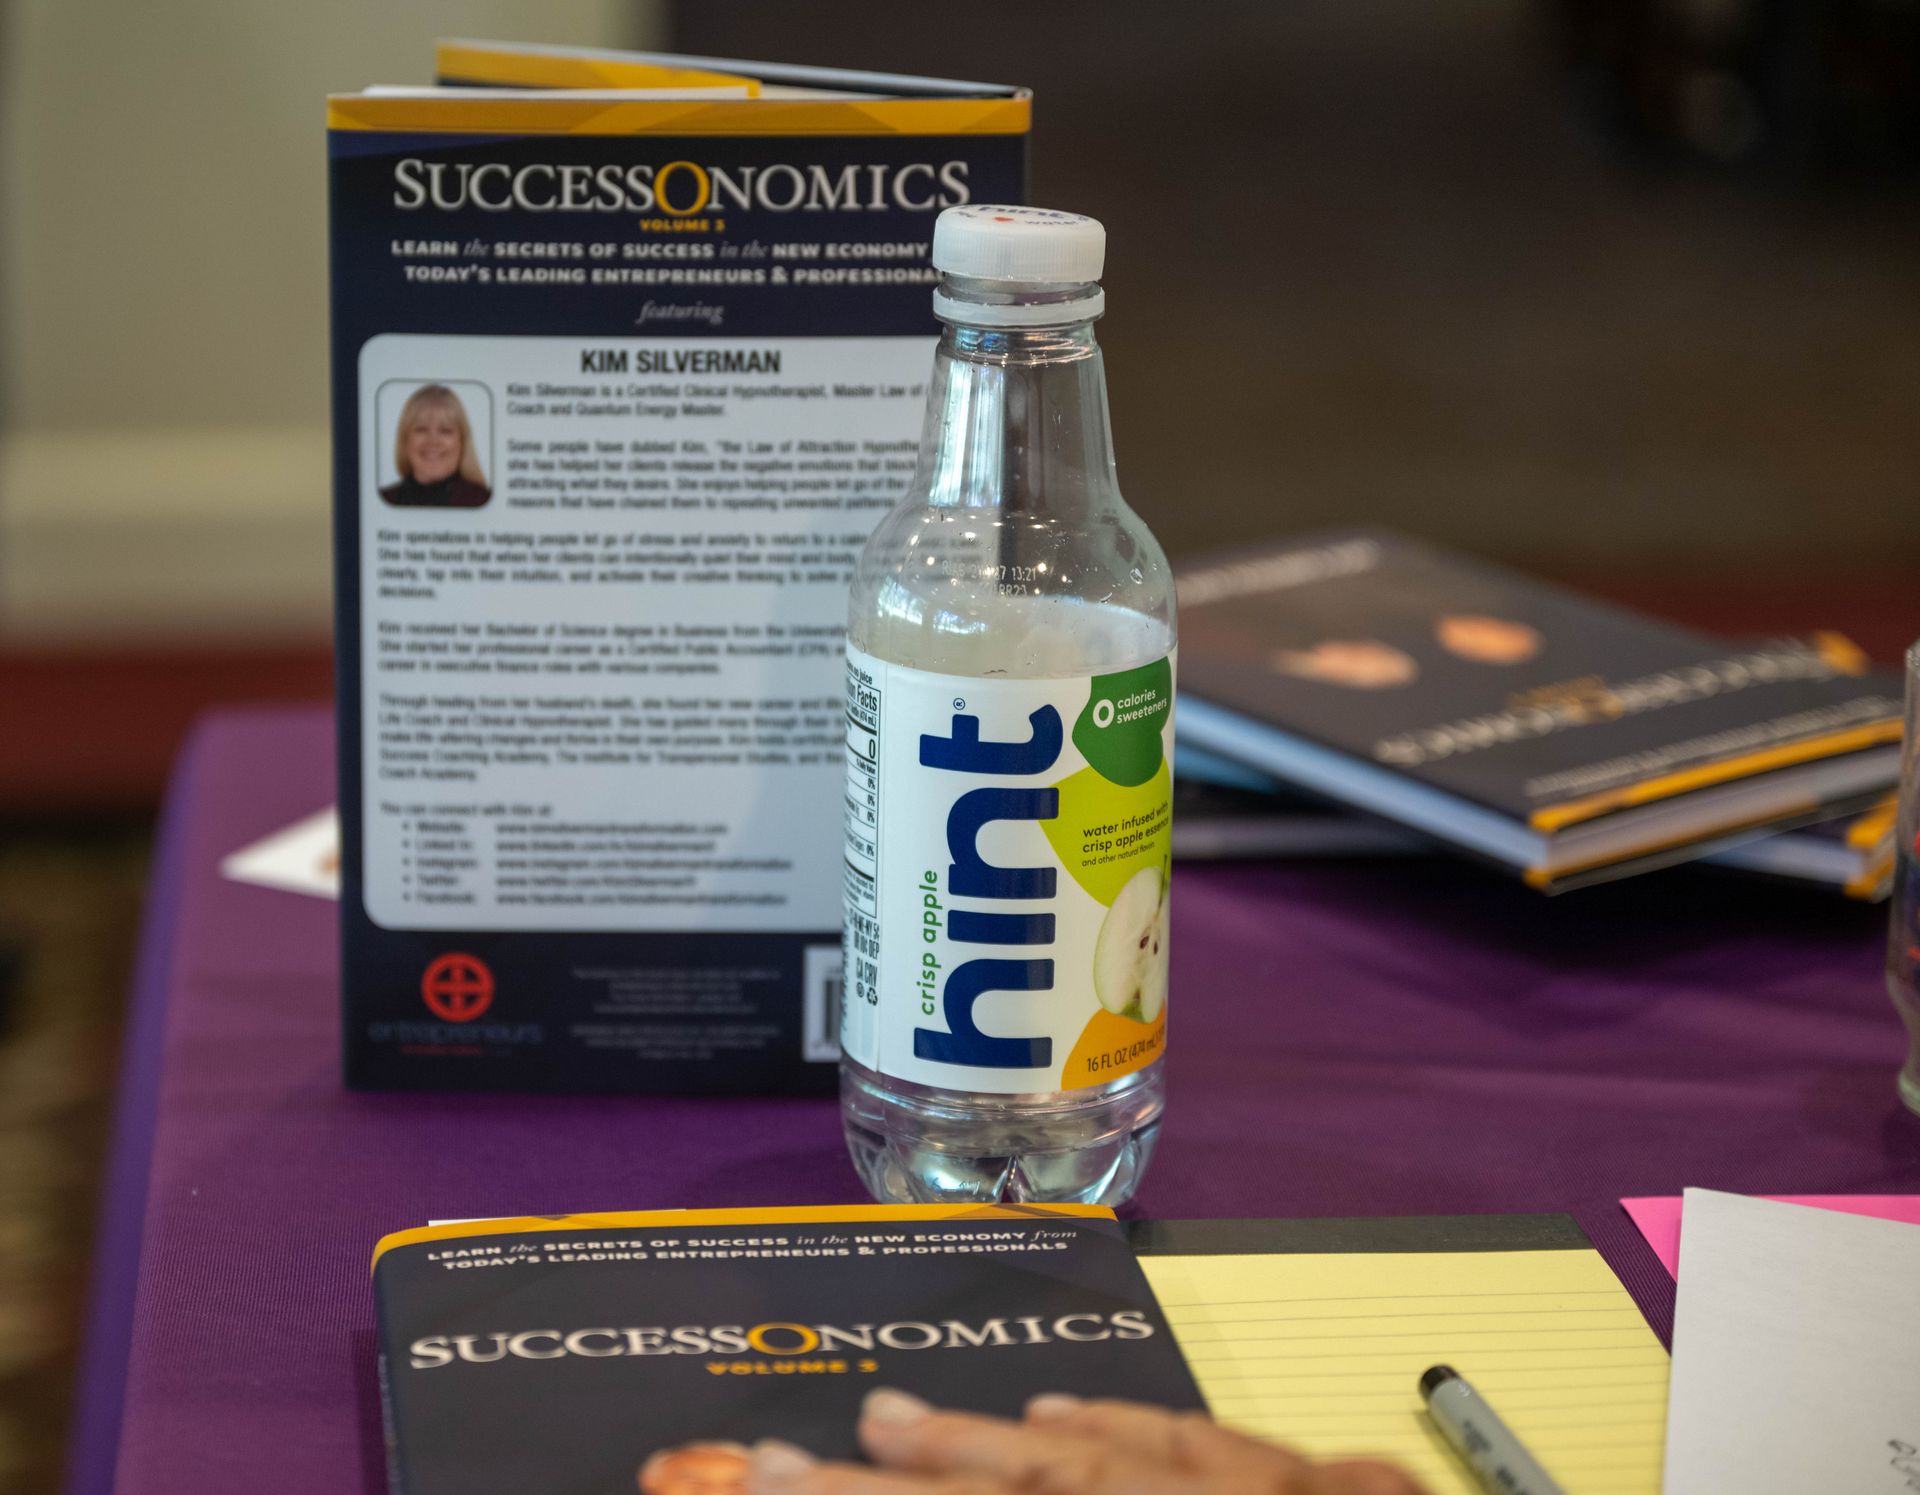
[{"x": 1357, "y": 1038}]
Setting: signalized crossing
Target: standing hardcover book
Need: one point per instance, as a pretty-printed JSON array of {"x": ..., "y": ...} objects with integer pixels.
[
  {"x": 1518, "y": 721},
  {"x": 629, "y": 355},
  {"x": 600, "y": 1354}
]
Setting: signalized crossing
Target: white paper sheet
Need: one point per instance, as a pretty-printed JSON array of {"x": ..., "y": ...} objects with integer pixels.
[
  {"x": 1796, "y": 1351},
  {"x": 302, "y": 858}
]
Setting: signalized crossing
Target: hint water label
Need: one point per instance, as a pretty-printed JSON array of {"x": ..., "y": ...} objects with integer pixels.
[{"x": 1007, "y": 875}]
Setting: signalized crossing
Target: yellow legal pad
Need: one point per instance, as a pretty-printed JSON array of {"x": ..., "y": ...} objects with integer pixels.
[{"x": 1314, "y": 1333}]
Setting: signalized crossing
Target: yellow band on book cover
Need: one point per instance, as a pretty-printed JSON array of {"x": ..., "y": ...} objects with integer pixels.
[
  {"x": 808, "y": 1214},
  {"x": 1555, "y": 817},
  {"x": 641, "y": 116}
]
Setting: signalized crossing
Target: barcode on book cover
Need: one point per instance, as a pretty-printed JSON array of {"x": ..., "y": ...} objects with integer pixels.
[{"x": 820, "y": 1010}]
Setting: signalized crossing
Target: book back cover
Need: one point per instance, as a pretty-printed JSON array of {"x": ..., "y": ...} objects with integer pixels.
[{"x": 621, "y": 382}]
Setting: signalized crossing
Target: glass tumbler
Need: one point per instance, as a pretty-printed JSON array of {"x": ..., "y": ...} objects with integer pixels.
[{"x": 1903, "y": 938}]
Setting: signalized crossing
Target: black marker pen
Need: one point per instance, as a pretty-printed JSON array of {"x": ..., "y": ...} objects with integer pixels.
[{"x": 1482, "y": 1440}]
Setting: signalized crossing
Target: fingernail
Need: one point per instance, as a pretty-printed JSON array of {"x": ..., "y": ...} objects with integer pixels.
[
  {"x": 777, "y": 1463},
  {"x": 894, "y": 1409},
  {"x": 1051, "y": 1406}
]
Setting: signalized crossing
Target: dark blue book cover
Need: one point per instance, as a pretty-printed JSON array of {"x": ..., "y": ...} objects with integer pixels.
[
  {"x": 575, "y": 1353},
  {"x": 621, "y": 383},
  {"x": 1519, "y": 719}
]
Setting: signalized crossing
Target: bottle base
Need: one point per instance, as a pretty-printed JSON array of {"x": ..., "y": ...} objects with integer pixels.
[{"x": 1069, "y": 1149}]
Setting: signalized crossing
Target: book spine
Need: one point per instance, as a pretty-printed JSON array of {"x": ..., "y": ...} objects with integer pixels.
[{"x": 389, "y": 1415}]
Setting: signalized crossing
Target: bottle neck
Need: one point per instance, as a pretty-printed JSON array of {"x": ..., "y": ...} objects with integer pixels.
[{"x": 1017, "y": 420}]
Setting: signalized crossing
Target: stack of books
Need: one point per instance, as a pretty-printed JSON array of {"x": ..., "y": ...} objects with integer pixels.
[{"x": 1364, "y": 692}]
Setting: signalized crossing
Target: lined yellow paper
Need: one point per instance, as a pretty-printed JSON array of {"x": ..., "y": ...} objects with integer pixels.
[{"x": 1324, "y": 1353}]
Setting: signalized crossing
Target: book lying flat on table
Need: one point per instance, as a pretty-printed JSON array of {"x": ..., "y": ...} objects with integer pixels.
[
  {"x": 605, "y": 1353},
  {"x": 1523, "y": 723},
  {"x": 1225, "y": 811},
  {"x": 600, "y": 1354}
]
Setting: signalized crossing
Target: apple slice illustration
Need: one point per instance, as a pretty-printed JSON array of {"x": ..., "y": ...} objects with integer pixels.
[{"x": 1130, "y": 956}]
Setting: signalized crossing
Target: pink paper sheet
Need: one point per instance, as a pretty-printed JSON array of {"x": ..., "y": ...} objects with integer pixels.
[{"x": 1659, "y": 1218}]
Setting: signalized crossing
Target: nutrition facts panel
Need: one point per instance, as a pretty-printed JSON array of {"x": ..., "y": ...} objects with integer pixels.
[{"x": 863, "y": 838}]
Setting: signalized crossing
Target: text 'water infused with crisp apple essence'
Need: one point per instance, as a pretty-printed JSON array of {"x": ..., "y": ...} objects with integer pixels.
[{"x": 1010, "y": 663}]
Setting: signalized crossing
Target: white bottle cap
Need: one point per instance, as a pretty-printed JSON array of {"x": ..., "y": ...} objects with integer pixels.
[{"x": 1019, "y": 246}]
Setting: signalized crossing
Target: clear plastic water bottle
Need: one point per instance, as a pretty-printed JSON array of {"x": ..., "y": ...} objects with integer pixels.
[{"x": 1010, "y": 644}]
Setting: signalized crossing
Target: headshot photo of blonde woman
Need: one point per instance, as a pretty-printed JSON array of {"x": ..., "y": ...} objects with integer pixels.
[{"x": 436, "y": 456}]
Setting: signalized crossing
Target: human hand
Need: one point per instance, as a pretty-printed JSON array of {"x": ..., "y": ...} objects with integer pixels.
[{"x": 1063, "y": 1446}]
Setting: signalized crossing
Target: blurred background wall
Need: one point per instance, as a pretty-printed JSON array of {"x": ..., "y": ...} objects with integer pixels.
[
  {"x": 163, "y": 299},
  {"x": 1605, "y": 286}
]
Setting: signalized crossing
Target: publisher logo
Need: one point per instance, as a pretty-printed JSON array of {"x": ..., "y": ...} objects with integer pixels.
[{"x": 457, "y": 988}]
